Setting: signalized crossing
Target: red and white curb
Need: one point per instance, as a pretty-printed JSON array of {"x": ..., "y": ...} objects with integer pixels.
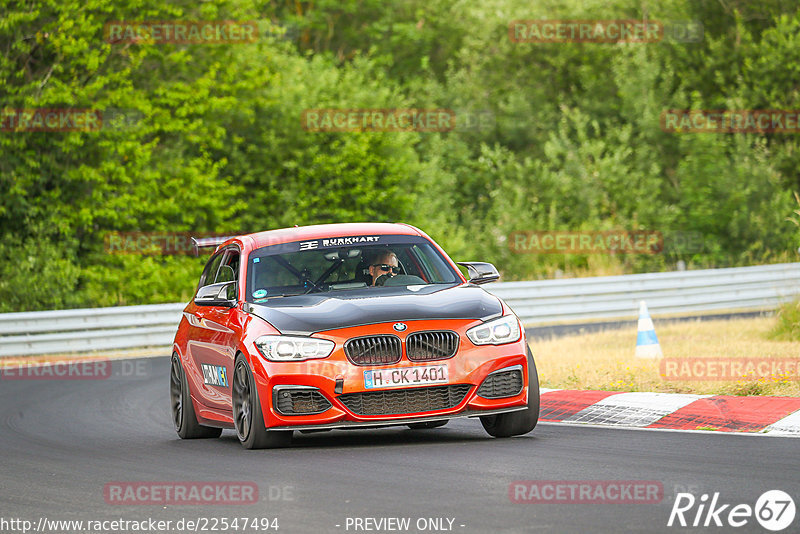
[{"x": 767, "y": 415}]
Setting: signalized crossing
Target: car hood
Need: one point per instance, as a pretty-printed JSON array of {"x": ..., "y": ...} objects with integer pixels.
[{"x": 307, "y": 314}]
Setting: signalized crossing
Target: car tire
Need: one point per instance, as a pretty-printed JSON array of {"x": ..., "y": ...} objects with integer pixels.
[
  {"x": 183, "y": 415},
  {"x": 517, "y": 423},
  {"x": 432, "y": 424},
  {"x": 248, "y": 417}
]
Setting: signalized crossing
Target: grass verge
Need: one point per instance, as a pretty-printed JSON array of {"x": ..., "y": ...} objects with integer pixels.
[
  {"x": 787, "y": 326},
  {"x": 606, "y": 361}
]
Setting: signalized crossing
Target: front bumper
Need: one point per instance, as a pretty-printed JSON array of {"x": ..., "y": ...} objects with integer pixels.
[
  {"x": 343, "y": 425},
  {"x": 335, "y": 378}
]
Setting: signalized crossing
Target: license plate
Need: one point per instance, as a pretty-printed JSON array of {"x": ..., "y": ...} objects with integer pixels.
[{"x": 406, "y": 376}]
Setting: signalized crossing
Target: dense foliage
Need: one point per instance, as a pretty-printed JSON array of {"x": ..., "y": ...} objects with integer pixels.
[{"x": 564, "y": 136}]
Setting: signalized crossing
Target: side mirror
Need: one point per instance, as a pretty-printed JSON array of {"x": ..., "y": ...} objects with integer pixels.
[
  {"x": 480, "y": 272},
  {"x": 220, "y": 294}
]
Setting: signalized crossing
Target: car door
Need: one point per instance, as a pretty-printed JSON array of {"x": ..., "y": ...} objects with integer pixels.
[{"x": 213, "y": 335}]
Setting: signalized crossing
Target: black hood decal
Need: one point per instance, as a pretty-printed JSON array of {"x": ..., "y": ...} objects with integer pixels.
[{"x": 307, "y": 314}]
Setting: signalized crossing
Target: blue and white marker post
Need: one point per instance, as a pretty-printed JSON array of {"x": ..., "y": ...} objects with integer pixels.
[{"x": 646, "y": 340}]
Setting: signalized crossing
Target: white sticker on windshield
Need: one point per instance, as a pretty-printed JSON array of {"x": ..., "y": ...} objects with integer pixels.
[{"x": 343, "y": 241}]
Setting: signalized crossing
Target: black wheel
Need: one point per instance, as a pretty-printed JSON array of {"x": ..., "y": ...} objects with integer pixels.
[
  {"x": 247, "y": 414},
  {"x": 183, "y": 416},
  {"x": 432, "y": 424},
  {"x": 517, "y": 423}
]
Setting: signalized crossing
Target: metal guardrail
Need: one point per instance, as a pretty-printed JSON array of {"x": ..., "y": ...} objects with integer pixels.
[
  {"x": 539, "y": 302},
  {"x": 763, "y": 287},
  {"x": 88, "y": 329}
]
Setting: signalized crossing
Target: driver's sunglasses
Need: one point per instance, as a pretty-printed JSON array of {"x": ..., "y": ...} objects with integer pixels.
[{"x": 387, "y": 268}]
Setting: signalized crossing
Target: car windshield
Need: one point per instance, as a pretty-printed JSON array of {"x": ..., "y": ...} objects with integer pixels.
[{"x": 344, "y": 263}]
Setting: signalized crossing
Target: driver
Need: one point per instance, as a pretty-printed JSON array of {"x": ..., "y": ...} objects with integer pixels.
[{"x": 384, "y": 264}]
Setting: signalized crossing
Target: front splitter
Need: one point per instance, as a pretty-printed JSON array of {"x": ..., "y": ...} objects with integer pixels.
[{"x": 343, "y": 425}]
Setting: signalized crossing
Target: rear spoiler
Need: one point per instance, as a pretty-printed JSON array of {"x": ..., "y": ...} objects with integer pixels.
[{"x": 207, "y": 242}]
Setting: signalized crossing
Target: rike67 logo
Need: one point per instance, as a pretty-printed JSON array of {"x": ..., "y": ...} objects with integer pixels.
[{"x": 774, "y": 510}]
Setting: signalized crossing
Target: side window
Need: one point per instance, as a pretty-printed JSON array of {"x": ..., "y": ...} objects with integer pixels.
[
  {"x": 413, "y": 264},
  {"x": 231, "y": 260},
  {"x": 210, "y": 272}
]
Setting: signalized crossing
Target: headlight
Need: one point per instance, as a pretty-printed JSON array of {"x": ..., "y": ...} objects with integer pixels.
[
  {"x": 293, "y": 349},
  {"x": 496, "y": 332}
]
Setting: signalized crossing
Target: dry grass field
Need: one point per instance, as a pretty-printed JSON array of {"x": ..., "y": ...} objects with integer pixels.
[{"x": 606, "y": 360}]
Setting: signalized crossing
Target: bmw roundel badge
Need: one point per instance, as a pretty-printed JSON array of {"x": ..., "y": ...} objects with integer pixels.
[{"x": 400, "y": 327}]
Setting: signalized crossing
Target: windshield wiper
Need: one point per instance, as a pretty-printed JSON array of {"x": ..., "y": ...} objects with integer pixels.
[{"x": 283, "y": 295}]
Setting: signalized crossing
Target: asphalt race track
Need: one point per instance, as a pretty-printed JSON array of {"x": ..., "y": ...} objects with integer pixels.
[{"x": 62, "y": 441}]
